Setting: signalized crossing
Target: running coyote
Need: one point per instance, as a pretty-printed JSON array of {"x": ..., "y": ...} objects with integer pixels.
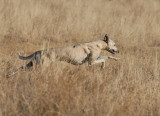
[{"x": 76, "y": 54}]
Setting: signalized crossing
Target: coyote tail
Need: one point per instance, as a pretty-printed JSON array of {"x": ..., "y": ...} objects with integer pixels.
[
  {"x": 25, "y": 58},
  {"x": 33, "y": 56}
]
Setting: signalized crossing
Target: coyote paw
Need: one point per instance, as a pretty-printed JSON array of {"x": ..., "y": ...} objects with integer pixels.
[{"x": 116, "y": 59}]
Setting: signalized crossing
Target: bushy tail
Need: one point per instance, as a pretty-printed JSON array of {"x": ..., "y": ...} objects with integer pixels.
[
  {"x": 36, "y": 56},
  {"x": 25, "y": 58}
]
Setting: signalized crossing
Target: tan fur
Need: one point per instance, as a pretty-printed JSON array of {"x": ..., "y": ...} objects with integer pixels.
[{"x": 76, "y": 54}]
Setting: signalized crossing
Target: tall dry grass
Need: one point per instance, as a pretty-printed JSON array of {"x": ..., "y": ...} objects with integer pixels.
[{"x": 130, "y": 86}]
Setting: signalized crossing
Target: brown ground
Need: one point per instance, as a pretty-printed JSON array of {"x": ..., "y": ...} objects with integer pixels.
[{"x": 129, "y": 87}]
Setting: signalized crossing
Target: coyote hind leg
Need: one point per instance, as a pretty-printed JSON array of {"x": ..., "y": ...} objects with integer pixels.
[{"x": 27, "y": 66}]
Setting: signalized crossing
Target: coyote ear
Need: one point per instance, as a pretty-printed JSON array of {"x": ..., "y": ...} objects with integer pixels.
[{"x": 106, "y": 38}]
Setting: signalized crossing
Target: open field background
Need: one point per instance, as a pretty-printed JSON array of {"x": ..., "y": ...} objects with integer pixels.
[{"x": 129, "y": 87}]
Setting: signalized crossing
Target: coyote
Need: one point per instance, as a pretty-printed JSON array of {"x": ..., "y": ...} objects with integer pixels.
[{"x": 76, "y": 54}]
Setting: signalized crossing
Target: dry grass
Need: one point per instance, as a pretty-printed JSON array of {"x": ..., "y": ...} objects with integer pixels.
[{"x": 128, "y": 87}]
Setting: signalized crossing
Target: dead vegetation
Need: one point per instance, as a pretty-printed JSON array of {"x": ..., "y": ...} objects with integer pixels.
[{"x": 130, "y": 86}]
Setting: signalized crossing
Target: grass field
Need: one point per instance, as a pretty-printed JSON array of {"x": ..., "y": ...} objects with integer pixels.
[{"x": 129, "y": 87}]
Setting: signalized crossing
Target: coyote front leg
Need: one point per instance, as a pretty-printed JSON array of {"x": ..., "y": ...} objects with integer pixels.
[
  {"x": 101, "y": 59},
  {"x": 108, "y": 57}
]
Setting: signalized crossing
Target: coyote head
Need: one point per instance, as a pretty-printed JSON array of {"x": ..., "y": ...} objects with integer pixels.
[{"x": 110, "y": 45}]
